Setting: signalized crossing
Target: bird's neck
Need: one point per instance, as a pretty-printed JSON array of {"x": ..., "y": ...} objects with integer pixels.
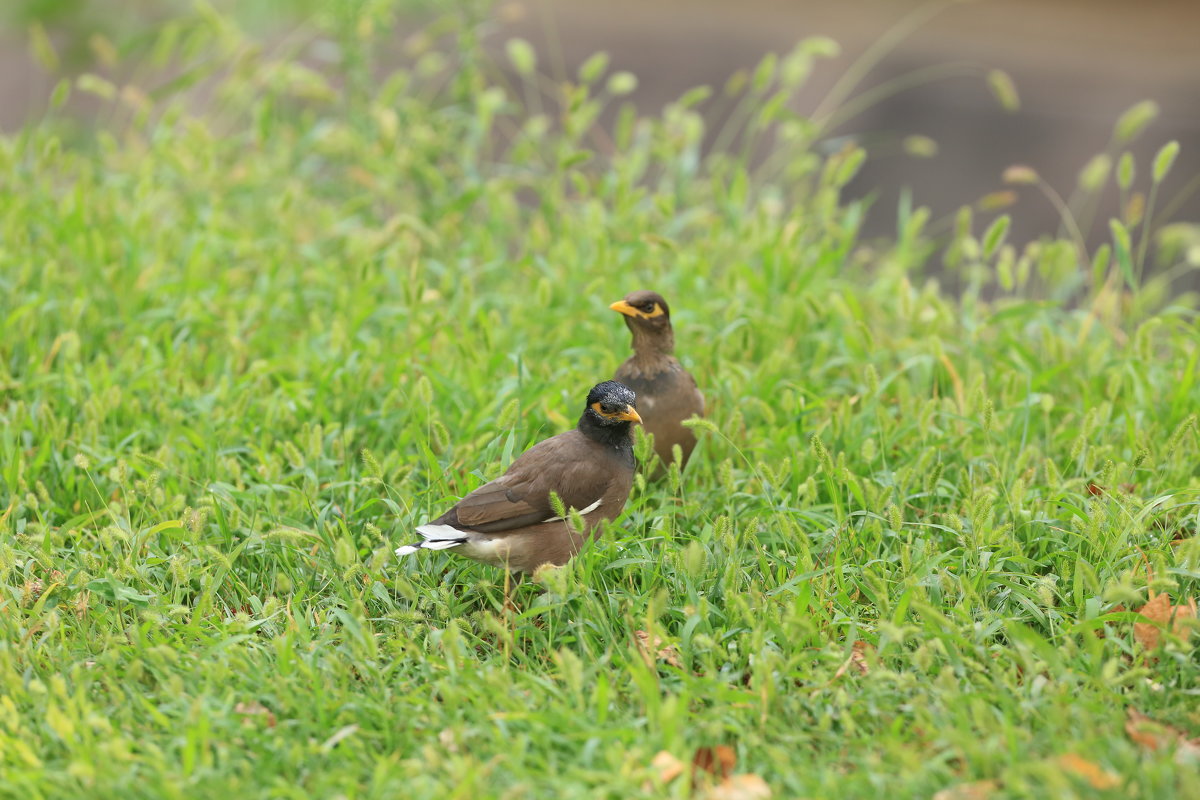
[
  {"x": 653, "y": 346},
  {"x": 616, "y": 436}
]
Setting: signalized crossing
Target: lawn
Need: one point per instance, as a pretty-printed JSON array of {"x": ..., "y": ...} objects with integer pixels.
[{"x": 267, "y": 319}]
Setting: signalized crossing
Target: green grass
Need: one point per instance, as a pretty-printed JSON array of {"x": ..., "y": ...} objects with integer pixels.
[{"x": 245, "y": 347}]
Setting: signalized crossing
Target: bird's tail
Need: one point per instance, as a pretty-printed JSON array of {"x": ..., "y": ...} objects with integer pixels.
[{"x": 436, "y": 537}]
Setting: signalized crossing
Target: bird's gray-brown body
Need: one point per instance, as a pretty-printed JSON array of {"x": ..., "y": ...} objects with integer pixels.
[
  {"x": 511, "y": 522},
  {"x": 667, "y": 396},
  {"x": 667, "y": 393}
]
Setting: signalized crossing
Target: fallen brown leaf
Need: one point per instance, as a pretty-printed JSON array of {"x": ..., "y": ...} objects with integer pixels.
[
  {"x": 1153, "y": 736},
  {"x": 740, "y": 787},
  {"x": 254, "y": 709},
  {"x": 653, "y": 648},
  {"x": 667, "y": 766},
  {"x": 1090, "y": 771},
  {"x": 857, "y": 659},
  {"x": 718, "y": 761},
  {"x": 1157, "y": 610},
  {"x": 1183, "y": 613},
  {"x": 1143, "y": 730},
  {"x": 975, "y": 790},
  {"x": 715, "y": 765},
  {"x": 1161, "y": 614}
]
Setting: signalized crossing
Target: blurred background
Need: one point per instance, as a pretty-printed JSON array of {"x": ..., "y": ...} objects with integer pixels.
[{"x": 1077, "y": 66}]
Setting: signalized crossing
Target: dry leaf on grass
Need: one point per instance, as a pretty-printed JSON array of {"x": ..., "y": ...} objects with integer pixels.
[
  {"x": 1152, "y": 736},
  {"x": 718, "y": 761},
  {"x": 652, "y": 648},
  {"x": 740, "y": 787},
  {"x": 975, "y": 790},
  {"x": 1145, "y": 731},
  {"x": 1158, "y": 610},
  {"x": 1090, "y": 771},
  {"x": 667, "y": 766},
  {"x": 712, "y": 775},
  {"x": 857, "y": 660},
  {"x": 1161, "y": 614},
  {"x": 250, "y": 711}
]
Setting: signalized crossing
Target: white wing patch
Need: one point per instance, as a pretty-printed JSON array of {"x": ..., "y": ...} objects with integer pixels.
[
  {"x": 582, "y": 511},
  {"x": 435, "y": 533}
]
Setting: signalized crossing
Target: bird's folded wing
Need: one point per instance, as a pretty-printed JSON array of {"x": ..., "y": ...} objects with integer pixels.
[{"x": 522, "y": 495}]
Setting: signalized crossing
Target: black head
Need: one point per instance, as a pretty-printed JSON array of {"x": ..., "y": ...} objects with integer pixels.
[
  {"x": 611, "y": 403},
  {"x": 609, "y": 415},
  {"x": 644, "y": 310}
]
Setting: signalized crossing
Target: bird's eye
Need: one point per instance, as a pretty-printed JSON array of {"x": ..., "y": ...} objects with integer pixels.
[
  {"x": 647, "y": 307},
  {"x": 608, "y": 408}
]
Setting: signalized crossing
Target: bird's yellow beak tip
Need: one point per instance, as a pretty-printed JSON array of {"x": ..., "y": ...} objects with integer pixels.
[{"x": 621, "y": 307}]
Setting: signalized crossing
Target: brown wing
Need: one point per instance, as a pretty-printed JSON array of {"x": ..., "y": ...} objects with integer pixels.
[{"x": 566, "y": 464}]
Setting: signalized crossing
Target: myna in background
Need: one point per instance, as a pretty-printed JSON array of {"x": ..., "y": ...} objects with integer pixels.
[{"x": 667, "y": 393}]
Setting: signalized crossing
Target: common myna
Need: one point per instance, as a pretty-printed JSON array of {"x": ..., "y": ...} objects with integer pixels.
[
  {"x": 510, "y": 522},
  {"x": 667, "y": 393}
]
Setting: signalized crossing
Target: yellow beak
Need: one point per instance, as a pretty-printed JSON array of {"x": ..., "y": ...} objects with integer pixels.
[
  {"x": 624, "y": 308},
  {"x": 630, "y": 414}
]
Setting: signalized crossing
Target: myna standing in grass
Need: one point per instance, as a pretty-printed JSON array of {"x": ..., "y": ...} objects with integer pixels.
[
  {"x": 667, "y": 393},
  {"x": 511, "y": 521}
]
